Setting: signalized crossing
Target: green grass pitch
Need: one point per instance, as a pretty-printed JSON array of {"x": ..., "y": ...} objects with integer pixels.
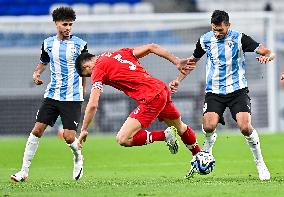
[{"x": 111, "y": 170}]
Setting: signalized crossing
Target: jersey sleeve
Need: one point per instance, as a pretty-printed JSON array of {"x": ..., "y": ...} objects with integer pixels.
[
  {"x": 198, "y": 51},
  {"x": 98, "y": 78},
  {"x": 129, "y": 50},
  {"x": 85, "y": 49},
  {"x": 44, "y": 57},
  {"x": 249, "y": 44}
]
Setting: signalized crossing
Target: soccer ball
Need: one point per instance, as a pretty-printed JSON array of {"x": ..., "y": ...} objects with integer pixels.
[{"x": 203, "y": 162}]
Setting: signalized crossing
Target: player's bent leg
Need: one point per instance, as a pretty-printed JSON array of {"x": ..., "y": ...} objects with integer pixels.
[
  {"x": 72, "y": 142},
  {"x": 252, "y": 138},
  {"x": 126, "y": 133},
  {"x": 190, "y": 140},
  {"x": 133, "y": 134},
  {"x": 30, "y": 150}
]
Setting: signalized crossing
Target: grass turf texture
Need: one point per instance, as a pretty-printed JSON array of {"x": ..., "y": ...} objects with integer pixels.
[{"x": 111, "y": 170}]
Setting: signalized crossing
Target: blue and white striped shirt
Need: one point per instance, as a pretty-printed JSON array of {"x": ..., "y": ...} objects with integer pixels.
[
  {"x": 65, "y": 83},
  {"x": 225, "y": 66}
]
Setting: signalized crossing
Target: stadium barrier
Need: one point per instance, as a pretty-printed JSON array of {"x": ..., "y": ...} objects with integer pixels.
[{"x": 21, "y": 38}]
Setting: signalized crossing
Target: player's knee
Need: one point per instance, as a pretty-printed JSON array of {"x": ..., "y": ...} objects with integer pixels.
[
  {"x": 181, "y": 128},
  {"x": 69, "y": 139},
  {"x": 246, "y": 129},
  {"x": 209, "y": 128},
  {"x": 122, "y": 140},
  {"x": 39, "y": 129},
  {"x": 37, "y": 132}
]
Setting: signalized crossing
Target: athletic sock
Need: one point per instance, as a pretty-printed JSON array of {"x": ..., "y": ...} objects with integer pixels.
[
  {"x": 30, "y": 150},
  {"x": 209, "y": 142},
  {"x": 208, "y": 136},
  {"x": 74, "y": 148},
  {"x": 190, "y": 141},
  {"x": 254, "y": 144},
  {"x": 144, "y": 137}
]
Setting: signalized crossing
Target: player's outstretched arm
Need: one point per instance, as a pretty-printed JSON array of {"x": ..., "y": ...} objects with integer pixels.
[
  {"x": 266, "y": 55},
  {"x": 90, "y": 112},
  {"x": 144, "y": 50},
  {"x": 191, "y": 64},
  {"x": 36, "y": 75},
  {"x": 174, "y": 84}
]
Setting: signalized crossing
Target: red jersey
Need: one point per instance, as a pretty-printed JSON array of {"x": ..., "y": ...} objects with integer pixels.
[{"x": 122, "y": 70}]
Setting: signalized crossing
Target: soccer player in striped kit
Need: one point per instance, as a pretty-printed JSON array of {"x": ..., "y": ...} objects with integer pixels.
[
  {"x": 226, "y": 85},
  {"x": 64, "y": 94}
]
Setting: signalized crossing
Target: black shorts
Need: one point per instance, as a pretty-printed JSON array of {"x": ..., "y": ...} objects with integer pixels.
[
  {"x": 238, "y": 101},
  {"x": 69, "y": 111}
]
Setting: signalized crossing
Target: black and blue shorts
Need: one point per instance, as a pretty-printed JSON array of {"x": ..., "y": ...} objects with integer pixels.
[
  {"x": 69, "y": 111},
  {"x": 238, "y": 101}
]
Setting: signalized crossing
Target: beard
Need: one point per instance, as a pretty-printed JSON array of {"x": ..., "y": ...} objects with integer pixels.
[{"x": 65, "y": 34}]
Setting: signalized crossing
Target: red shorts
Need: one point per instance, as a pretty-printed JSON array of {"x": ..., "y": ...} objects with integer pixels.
[{"x": 160, "y": 107}]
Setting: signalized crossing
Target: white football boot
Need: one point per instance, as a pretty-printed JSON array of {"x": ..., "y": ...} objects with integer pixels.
[
  {"x": 263, "y": 172},
  {"x": 20, "y": 176},
  {"x": 78, "y": 167},
  {"x": 209, "y": 143},
  {"x": 193, "y": 170},
  {"x": 171, "y": 140}
]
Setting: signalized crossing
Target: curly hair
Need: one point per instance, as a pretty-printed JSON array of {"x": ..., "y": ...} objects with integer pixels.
[
  {"x": 219, "y": 16},
  {"x": 63, "y": 14}
]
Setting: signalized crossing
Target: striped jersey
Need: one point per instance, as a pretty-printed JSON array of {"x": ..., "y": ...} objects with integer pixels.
[
  {"x": 65, "y": 83},
  {"x": 225, "y": 66}
]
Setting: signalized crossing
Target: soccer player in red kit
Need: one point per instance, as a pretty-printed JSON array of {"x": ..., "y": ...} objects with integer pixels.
[{"x": 122, "y": 70}]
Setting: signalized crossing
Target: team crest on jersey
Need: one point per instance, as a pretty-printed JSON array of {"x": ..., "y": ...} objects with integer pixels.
[
  {"x": 230, "y": 44},
  {"x": 73, "y": 50}
]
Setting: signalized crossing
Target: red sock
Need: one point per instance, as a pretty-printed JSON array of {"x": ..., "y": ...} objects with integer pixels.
[
  {"x": 144, "y": 137},
  {"x": 189, "y": 139}
]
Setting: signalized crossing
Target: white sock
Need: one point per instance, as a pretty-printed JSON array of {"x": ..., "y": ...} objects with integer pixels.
[
  {"x": 254, "y": 144},
  {"x": 30, "y": 150},
  {"x": 74, "y": 148},
  {"x": 208, "y": 136}
]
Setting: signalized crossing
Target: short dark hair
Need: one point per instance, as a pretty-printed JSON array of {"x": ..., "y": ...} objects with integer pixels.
[
  {"x": 63, "y": 14},
  {"x": 81, "y": 59},
  {"x": 219, "y": 16}
]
